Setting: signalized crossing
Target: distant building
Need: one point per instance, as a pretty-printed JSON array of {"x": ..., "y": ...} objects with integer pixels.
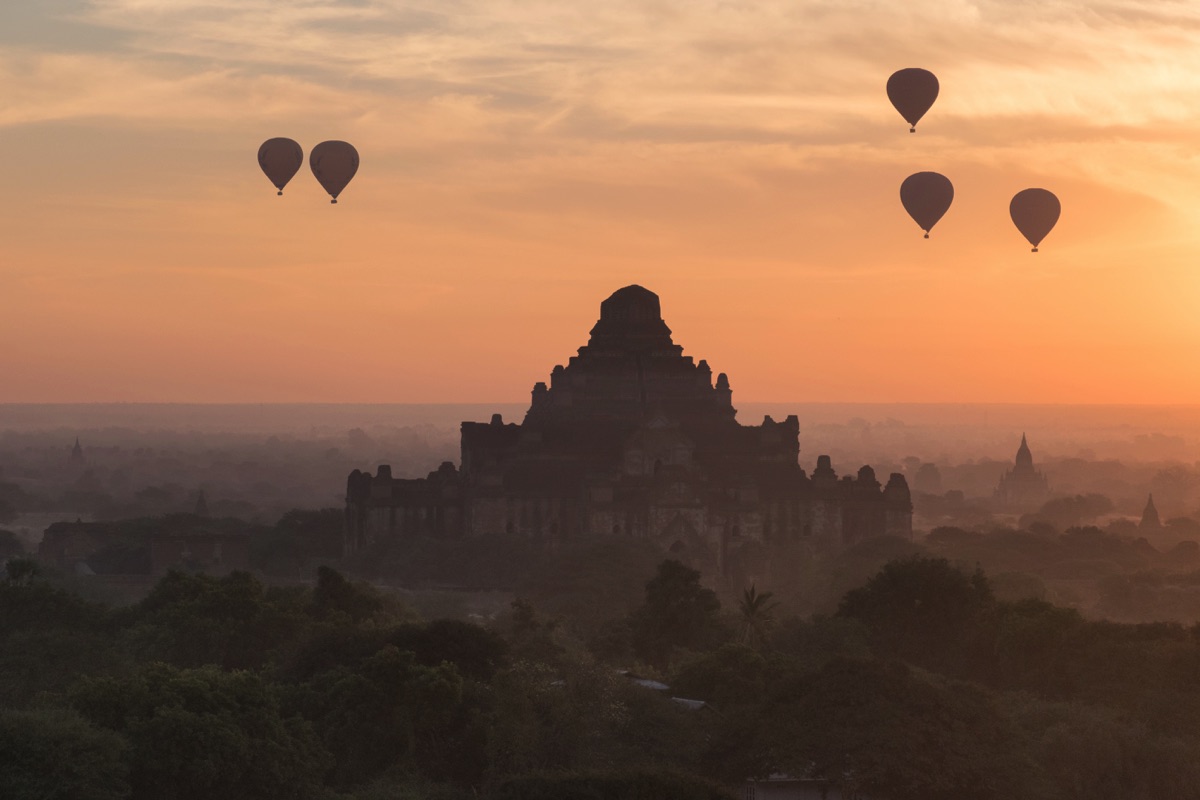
[
  {"x": 1150, "y": 519},
  {"x": 1022, "y": 488},
  {"x": 77, "y": 453},
  {"x": 632, "y": 438},
  {"x": 66, "y": 545},
  {"x": 210, "y": 552},
  {"x": 145, "y": 546}
]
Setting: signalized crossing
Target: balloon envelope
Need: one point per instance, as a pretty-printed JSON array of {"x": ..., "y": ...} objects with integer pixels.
[
  {"x": 912, "y": 91},
  {"x": 334, "y": 164},
  {"x": 926, "y": 197},
  {"x": 1034, "y": 212},
  {"x": 280, "y": 159}
]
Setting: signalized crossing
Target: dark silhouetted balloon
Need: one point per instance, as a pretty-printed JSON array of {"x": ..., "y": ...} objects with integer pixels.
[
  {"x": 280, "y": 159},
  {"x": 334, "y": 164},
  {"x": 926, "y": 197},
  {"x": 912, "y": 91},
  {"x": 1034, "y": 212}
]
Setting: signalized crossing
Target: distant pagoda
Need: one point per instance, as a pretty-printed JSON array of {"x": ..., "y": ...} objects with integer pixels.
[
  {"x": 1150, "y": 520},
  {"x": 1022, "y": 488}
]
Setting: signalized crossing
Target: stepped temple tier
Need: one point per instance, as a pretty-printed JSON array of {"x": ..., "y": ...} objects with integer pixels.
[{"x": 633, "y": 438}]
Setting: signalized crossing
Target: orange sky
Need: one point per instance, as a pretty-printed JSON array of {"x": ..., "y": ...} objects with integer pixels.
[{"x": 521, "y": 159}]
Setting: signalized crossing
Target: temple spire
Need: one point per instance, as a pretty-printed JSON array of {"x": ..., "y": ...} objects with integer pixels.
[
  {"x": 1022, "y": 488},
  {"x": 1150, "y": 515},
  {"x": 1024, "y": 456}
]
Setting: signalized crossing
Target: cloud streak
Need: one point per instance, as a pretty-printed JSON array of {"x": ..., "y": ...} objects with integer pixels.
[{"x": 737, "y": 156}]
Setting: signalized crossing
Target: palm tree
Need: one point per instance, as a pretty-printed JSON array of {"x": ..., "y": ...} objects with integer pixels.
[{"x": 757, "y": 619}]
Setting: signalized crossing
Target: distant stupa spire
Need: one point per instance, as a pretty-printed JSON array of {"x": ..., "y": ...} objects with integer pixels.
[
  {"x": 1024, "y": 456},
  {"x": 1022, "y": 488},
  {"x": 1150, "y": 515},
  {"x": 201, "y": 505},
  {"x": 77, "y": 452}
]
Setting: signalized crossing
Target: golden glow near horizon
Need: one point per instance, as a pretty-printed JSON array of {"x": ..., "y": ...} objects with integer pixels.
[{"x": 522, "y": 160}]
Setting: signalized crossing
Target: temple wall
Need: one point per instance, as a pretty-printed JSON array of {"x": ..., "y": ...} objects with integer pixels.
[
  {"x": 489, "y": 515},
  {"x": 668, "y": 524},
  {"x": 827, "y": 521},
  {"x": 601, "y": 521},
  {"x": 898, "y": 522}
]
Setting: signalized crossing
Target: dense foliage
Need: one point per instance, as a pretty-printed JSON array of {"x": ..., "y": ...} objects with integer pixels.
[{"x": 923, "y": 684}]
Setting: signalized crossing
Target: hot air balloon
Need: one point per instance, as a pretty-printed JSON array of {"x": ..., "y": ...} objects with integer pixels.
[
  {"x": 912, "y": 91},
  {"x": 334, "y": 164},
  {"x": 926, "y": 197},
  {"x": 1034, "y": 212},
  {"x": 280, "y": 159}
]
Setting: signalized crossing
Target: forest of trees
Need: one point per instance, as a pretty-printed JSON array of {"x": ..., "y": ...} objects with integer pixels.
[{"x": 922, "y": 684}]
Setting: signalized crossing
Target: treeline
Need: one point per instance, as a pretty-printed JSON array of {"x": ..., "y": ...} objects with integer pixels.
[
  {"x": 1106, "y": 575},
  {"x": 1102, "y": 573},
  {"x": 921, "y": 685},
  {"x": 288, "y": 548}
]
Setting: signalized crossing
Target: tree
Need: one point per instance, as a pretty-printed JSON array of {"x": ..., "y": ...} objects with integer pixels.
[
  {"x": 1032, "y": 648},
  {"x": 678, "y": 613},
  {"x": 334, "y": 594},
  {"x": 476, "y": 652},
  {"x": 22, "y": 571},
  {"x": 1091, "y": 753},
  {"x": 878, "y": 730},
  {"x": 29, "y": 603},
  {"x": 1066, "y": 512},
  {"x": 54, "y": 754},
  {"x": 384, "y": 711},
  {"x": 731, "y": 675},
  {"x": 757, "y": 618},
  {"x": 582, "y": 716},
  {"x": 924, "y": 611},
  {"x": 10, "y": 545},
  {"x": 856, "y": 564},
  {"x": 234, "y": 621},
  {"x": 196, "y": 734}
]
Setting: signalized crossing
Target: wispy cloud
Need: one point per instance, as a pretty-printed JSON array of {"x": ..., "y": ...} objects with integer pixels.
[
  {"x": 698, "y": 141},
  {"x": 656, "y": 71}
]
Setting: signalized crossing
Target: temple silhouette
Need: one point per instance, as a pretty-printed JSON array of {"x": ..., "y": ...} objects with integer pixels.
[
  {"x": 633, "y": 438},
  {"x": 1150, "y": 520},
  {"x": 1022, "y": 488}
]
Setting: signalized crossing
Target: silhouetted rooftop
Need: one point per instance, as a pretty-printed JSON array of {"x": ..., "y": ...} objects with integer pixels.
[{"x": 631, "y": 319}]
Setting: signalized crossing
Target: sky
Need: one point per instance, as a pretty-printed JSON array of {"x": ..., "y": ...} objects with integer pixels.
[{"x": 522, "y": 159}]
